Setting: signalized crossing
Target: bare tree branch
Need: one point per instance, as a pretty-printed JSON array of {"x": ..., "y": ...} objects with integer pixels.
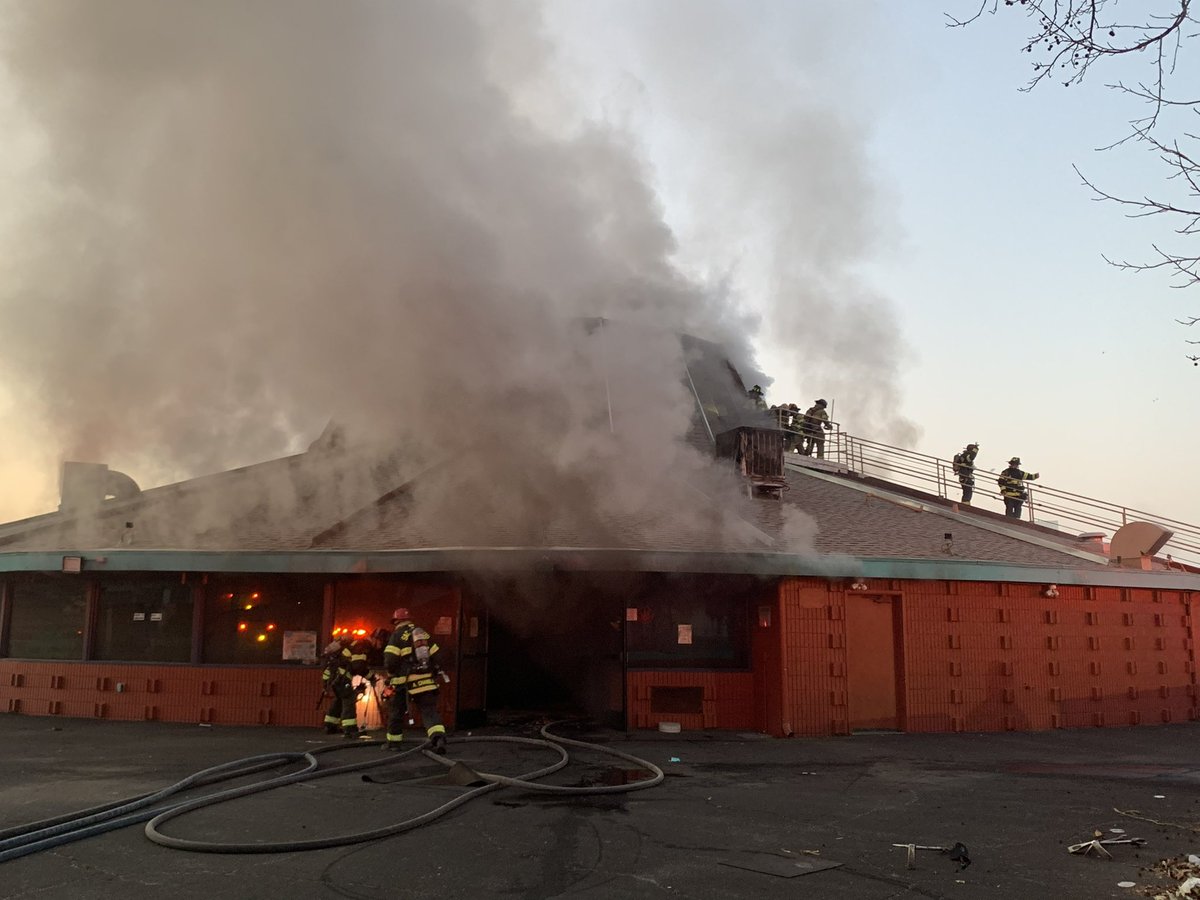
[{"x": 1068, "y": 38}]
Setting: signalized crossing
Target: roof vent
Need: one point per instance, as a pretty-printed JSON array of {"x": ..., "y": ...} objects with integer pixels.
[
  {"x": 1137, "y": 541},
  {"x": 86, "y": 486}
]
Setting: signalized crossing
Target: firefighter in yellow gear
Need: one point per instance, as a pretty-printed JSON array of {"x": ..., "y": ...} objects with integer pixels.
[
  {"x": 336, "y": 679},
  {"x": 410, "y": 659},
  {"x": 1012, "y": 487}
]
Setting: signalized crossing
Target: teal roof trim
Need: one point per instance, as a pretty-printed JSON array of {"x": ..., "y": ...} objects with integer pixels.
[{"x": 466, "y": 559}]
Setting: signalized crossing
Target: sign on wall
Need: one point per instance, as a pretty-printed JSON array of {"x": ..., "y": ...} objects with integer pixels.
[{"x": 301, "y": 645}]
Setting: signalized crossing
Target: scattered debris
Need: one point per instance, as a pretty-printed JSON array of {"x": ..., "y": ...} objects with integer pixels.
[
  {"x": 1160, "y": 796},
  {"x": 1177, "y": 869},
  {"x": 958, "y": 853},
  {"x": 1126, "y": 884},
  {"x": 1097, "y": 844},
  {"x": 780, "y": 867},
  {"x": 1135, "y": 814},
  {"x": 674, "y": 759}
]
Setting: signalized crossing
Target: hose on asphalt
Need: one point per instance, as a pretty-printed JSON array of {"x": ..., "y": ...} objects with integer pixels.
[
  {"x": 527, "y": 781},
  {"x": 49, "y": 833},
  {"x": 54, "y": 832}
]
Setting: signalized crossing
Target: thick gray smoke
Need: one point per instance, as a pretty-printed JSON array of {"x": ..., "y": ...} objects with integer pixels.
[
  {"x": 760, "y": 115},
  {"x": 240, "y": 218}
]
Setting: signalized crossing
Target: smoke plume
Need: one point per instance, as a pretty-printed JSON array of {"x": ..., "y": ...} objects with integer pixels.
[{"x": 230, "y": 221}]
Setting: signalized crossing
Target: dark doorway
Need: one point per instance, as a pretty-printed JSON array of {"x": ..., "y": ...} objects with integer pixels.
[
  {"x": 555, "y": 644},
  {"x": 518, "y": 674}
]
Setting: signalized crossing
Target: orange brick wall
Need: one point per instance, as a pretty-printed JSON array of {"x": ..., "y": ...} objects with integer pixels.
[
  {"x": 729, "y": 700},
  {"x": 988, "y": 657},
  {"x": 994, "y": 657},
  {"x": 813, "y": 623},
  {"x": 225, "y": 695},
  {"x": 218, "y": 695}
]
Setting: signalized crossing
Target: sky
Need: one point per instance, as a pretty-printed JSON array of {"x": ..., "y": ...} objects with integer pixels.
[{"x": 896, "y": 225}]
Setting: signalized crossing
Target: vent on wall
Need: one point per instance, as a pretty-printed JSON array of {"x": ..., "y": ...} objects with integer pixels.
[{"x": 677, "y": 700}]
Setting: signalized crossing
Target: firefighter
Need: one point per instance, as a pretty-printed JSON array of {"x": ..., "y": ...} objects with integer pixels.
[
  {"x": 412, "y": 666},
  {"x": 756, "y": 394},
  {"x": 1012, "y": 487},
  {"x": 336, "y": 680},
  {"x": 366, "y": 653},
  {"x": 795, "y": 433},
  {"x": 816, "y": 423},
  {"x": 780, "y": 415},
  {"x": 964, "y": 468}
]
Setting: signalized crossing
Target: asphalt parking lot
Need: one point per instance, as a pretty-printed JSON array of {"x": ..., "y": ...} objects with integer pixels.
[{"x": 735, "y": 815}]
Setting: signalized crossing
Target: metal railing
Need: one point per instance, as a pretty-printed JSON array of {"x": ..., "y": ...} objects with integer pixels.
[{"x": 1046, "y": 505}]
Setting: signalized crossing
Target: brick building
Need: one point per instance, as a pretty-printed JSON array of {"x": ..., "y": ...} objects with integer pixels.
[{"x": 907, "y": 612}]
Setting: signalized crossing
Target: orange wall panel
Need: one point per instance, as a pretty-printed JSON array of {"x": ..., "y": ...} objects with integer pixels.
[
  {"x": 235, "y": 695},
  {"x": 728, "y": 699}
]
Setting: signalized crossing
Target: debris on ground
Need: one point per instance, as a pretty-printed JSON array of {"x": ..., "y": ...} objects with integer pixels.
[
  {"x": 1136, "y": 814},
  {"x": 958, "y": 852},
  {"x": 767, "y": 864},
  {"x": 1098, "y": 844},
  {"x": 1177, "y": 869}
]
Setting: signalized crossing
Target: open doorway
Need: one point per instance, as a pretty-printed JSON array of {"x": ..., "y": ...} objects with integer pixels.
[{"x": 555, "y": 645}]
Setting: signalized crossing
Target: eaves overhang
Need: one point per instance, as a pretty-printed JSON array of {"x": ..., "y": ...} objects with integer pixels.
[{"x": 568, "y": 559}]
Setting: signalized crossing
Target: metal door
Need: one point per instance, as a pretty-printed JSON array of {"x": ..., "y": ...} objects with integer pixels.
[
  {"x": 871, "y": 623},
  {"x": 472, "y": 662}
]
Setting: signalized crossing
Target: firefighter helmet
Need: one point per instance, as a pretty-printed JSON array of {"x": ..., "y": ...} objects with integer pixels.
[
  {"x": 400, "y": 614},
  {"x": 1015, "y": 461},
  {"x": 822, "y": 404}
]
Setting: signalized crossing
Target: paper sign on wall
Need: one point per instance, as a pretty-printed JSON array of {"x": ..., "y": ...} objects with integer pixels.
[
  {"x": 445, "y": 625},
  {"x": 473, "y": 628},
  {"x": 301, "y": 645},
  {"x": 631, "y": 614},
  {"x": 685, "y": 634}
]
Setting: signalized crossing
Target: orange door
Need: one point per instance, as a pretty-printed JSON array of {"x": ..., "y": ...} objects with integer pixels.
[{"x": 871, "y": 662}]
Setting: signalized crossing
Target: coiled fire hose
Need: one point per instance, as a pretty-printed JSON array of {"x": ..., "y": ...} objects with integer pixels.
[{"x": 48, "y": 833}]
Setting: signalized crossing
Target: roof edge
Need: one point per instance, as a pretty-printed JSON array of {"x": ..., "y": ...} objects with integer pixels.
[{"x": 509, "y": 559}]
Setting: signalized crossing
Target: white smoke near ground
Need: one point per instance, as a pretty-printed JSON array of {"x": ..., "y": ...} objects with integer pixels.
[{"x": 233, "y": 220}]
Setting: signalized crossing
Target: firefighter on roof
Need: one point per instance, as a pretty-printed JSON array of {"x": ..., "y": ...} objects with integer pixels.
[
  {"x": 964, "y": 468},
  {"x": 336, "y": 680},
  {"x": 410, "y": 658},
  {"x": 813, "y": 428},
  {"x": 1012, "y": 487}
]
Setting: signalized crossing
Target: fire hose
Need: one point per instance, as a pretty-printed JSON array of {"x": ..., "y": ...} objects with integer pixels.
[{"x": 48, "y": 833}]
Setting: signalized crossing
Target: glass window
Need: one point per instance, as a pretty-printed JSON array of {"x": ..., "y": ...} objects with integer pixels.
[
  {"x": 687, "y": 624},
  {"x": 245, "y": 617},
  {"x": 145, "y": 621},
  {"x": 48, "y": 617}
]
